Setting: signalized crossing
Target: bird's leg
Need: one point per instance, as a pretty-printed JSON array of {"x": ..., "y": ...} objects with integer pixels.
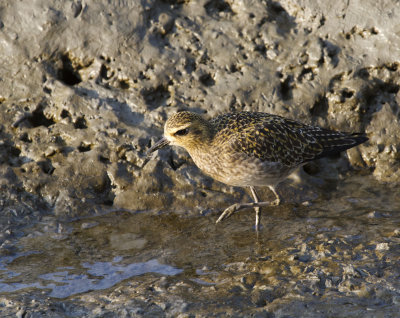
[
  {"x": 278, "y": 198},
  {"x": 257, "y": 208},
  {"x": 240, "y": 206}
]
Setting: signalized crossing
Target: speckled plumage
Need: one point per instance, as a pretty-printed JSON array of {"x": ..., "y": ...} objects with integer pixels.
[{"x": 252, "y": 148}]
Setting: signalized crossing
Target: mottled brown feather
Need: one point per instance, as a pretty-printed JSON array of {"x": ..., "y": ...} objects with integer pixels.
[{"x": 276, "y": 139}]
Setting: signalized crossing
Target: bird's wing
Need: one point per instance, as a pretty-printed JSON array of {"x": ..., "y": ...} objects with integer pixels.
[{"x": 277, "y": 139}]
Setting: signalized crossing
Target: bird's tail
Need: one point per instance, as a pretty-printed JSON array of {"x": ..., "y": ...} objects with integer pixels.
[{"x": 338, "y": 142}]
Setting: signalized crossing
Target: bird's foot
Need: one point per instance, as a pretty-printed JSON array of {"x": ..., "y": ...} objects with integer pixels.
[
  {"x": 238, "y": 206},
  {"x": 228, "y": 212}
]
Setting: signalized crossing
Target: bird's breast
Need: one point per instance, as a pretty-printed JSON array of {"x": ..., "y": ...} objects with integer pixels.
[{"x": 238, "y": 169}]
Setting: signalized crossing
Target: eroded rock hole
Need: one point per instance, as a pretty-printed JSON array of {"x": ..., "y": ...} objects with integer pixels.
[
  {"x": 190, "y": 65},
  {"x": 276, "y": 13},
  {"x": 46, "y": 167},
  {"x": 39, "y": 119},
  {"x": 124, "y": 84},
  {"x": 304, "y": 72},
  {"x": 214, "y": 7},
  {"x": 108, "y": 201},
  {"x": 104, "y": 160},
  {"x": 106, "y": 72},
  {"x": 14, "y": 151},
  {"x": 67, "y": 73},
  {"x": 207, "y": 80},
  {"x": 233, "y": 68},
  {"x": 80, "y": 123},
  {"x": 65, "y": 113},
  {"x": 345, "y": 94},
  {"x": 84, "y": 148},
  {"x": 285, "y": 88},
  {"x": 362, "y": 73},
  {"x": 25, "y": 138},
  {"x": 156, "y": 96},
  {"x": 275, "y": 8},
  {"x": 320, "y": 107},
  {"x": 261, "y": 48}
]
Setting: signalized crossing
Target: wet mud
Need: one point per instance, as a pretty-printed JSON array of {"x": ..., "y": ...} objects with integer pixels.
[{"x": 328, "y": 258}]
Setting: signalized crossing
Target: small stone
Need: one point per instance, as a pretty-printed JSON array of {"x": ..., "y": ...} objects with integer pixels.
[
  {"x": 271, "y": 54},
  {"x": 382, "y": 247}
]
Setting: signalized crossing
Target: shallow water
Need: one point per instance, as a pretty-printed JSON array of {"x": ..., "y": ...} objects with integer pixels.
[{"x": 343, "y": 249}]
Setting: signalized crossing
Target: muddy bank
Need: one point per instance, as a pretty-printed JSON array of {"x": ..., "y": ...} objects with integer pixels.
[{"x": 85, "y": 89}]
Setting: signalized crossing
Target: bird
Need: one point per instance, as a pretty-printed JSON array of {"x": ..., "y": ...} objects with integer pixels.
[{"x": 251, "y": 149}]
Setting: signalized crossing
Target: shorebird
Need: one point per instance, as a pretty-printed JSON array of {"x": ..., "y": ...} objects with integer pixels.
[{"x": 249, "y": 149}]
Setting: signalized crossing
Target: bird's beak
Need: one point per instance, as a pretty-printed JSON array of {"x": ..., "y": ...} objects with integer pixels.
[{"x": 158, "y": 145}]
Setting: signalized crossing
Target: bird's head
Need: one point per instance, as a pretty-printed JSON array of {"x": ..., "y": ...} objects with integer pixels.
[{"x": 185, "y": 129}]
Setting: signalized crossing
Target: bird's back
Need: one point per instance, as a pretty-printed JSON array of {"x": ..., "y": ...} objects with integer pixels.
[{"x": 275, "y": 139}]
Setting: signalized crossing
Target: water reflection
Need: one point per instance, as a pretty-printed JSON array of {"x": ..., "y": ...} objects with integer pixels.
[
  {"x": 106, "y": 274},
  {"x": 122, "y": 245},
  {"x": 99, "y": 275}
]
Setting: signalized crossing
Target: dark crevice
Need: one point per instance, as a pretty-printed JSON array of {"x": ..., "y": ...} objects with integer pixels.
[
  {"x": 331, "y": 50},
  {"x": 65, "y": 113},
  {"x": 393, "y": 67},
  {"x": 25, "y": 138},
  {"x": 39, "y": 119},
  {"x": 345, "y": 94},
  {"x": 67, "y": 73},
  {"x": 371, "y": 97},
  {"x": 108, "y": 201},
  {"x": 46, "y": 167},
  {"x": 80, "y": 123},
  {"x": 260, "y": 48},
  {"x": 84, "y": 148},
  {"x": 304, "y": 72},
  {"x": 124, "y": 84},
  {"x": 105, "y": 72},
  {"x": 104, "y": 160},
  {"x": 320, "y": 107},
  {"x": 311, "y": 168},
  {"x": 214, "y": 7},
  {"x": 156, "y": 96},
  {"x": 285, "y": 88},
  {"x": 277, "y": 14},
  {"x": 175, "y": 165},
  {"x": 233, "y": 68},
  {"x": 172, "y": 163},
  {"x": 77, "y": 8},
  {"x": 190, "y": 65},
  {"x": 275, "y": 8},
  {"x": 14, "y": 151},
  {"x": 322, "y": 21},
  {"x": 362, "y": 73},
  {"x": 207, "y": 80}
]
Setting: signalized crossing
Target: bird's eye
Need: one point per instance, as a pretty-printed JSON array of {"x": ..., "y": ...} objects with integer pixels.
[{"x": 182, "y": 132}]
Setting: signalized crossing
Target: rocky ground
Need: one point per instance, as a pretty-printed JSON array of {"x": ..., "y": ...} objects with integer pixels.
[{"x": 90, "y": 227}]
